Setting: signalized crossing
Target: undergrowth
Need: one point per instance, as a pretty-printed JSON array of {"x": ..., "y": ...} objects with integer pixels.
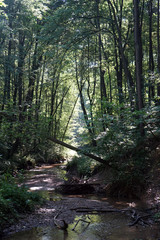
[
  {"x": 125, "y": 149},
  {"x": 81, "y": 166},
  {"x": 14, "y": 200}
]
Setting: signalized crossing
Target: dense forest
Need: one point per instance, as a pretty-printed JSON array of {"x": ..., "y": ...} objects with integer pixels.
[{"x": 102, "y": 56}]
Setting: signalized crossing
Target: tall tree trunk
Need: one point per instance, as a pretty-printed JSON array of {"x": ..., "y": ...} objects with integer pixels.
[
  {"x": 110, "y": 83},
  {"x": 119, "y": 74},
  {"x": 138, "y": 59},
  {"x": 107, "y": 98},
  {"x": 151, "y": 60},
  {"x": 128, "y": 75},
  {"x": 80, "y": 88},
  {"x": 138, "y": 54},
  {"x": 119, "y": 66},
  {"x": 90, "y": 93},
  {"x": 20, "y": 70},
  {"x": 8, "y": 67},
  {"x": 158, "y": 37},
  {"x": 102, "y": 72},
  {"x": 158, "y": 51},
  {"x": 32, "y": 78},
  {"x": 54, "y": 89}
]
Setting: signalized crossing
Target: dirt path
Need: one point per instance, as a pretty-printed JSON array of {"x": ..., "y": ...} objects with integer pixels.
[{"x": 45, "y": 178}]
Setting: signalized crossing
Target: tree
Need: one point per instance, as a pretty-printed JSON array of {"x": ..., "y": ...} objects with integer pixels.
[
  {"x": 57, "y": 55},
  {"x": 158, "y": 48},
  {"x": 138, "y": 53},
  {"x": 151, "y": 60},
  {"x": 138, "y": 60}
]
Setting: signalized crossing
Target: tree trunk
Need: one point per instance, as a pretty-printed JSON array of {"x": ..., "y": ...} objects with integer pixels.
[
  {"x": 20, "y": 70},
  {"x": 35, "y": 66},
  {"x": 8, "y": 66},
  {"x": 119, "y": 74},
  {"x": 127, "y": 71},
  {"x": 138, "y": 54},
  {"x": 102, "y": 72},
  {"x": 151, "y": 60},
  {"x": 158, "y": 52},
  {"x": 158, "y": 37},
  {"x": 138, "y": 59},
  {"x": 80, "y": 88}
]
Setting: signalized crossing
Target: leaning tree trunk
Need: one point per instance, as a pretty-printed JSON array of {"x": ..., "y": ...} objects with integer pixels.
[{"x": 80, "y": 151}]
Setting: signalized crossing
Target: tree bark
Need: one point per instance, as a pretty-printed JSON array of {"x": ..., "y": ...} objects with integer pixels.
[
  {"x": 158, "y": 38},
  {"x": 151, "y": 60},
  {"x": 102, "y": 72},
  {"x": 138, "y": 54},
  {"x": 124, "y": 59},
  {"x": 158, "y": 52},
  {"x": 35, "y": 66},
  {"x": 138, "y": 60},
  {"x": 20, "y": 69}
]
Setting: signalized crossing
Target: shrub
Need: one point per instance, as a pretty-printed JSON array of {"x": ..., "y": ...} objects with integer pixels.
[
  {"x": 14, "y": 200},
  {"x": 81, "y": 166}
]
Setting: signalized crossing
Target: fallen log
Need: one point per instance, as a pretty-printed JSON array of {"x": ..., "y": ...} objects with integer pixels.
[
  {"x": 89, "y": 210},
  {"x": 83, "y": 188},
  {"x": 98, "y": 159}
]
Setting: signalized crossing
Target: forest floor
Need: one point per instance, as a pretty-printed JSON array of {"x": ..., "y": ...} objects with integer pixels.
[{"x": 45, "y": 179}]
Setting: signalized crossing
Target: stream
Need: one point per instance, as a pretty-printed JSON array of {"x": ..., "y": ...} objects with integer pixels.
[{"x": 102, "y": 226}]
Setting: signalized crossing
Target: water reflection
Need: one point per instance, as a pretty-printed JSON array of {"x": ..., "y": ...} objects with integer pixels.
[{"x": 110, "y": 226}]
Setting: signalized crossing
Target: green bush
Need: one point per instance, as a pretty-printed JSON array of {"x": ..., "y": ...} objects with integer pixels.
[
  {"x": 81, "y": 166},
  {"x": 14, "y": 200}
]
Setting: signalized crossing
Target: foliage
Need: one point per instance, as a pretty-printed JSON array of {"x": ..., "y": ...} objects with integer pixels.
[
  {"x": 14, "y": 200},
  {"x": 80, "y": 166},
  {"x": 157, "y": 216},
  {"x": 57, "y": 57},
  {"x": 126, "y": 150},
  {"x": 28, "y": 134},
  {"x": 128, "y": 153}
]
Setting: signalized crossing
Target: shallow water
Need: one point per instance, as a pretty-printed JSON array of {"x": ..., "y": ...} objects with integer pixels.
[{"x": 108, "y": 226}]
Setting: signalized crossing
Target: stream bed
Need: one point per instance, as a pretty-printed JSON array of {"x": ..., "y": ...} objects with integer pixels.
[{"x": 102, "y": 226}]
